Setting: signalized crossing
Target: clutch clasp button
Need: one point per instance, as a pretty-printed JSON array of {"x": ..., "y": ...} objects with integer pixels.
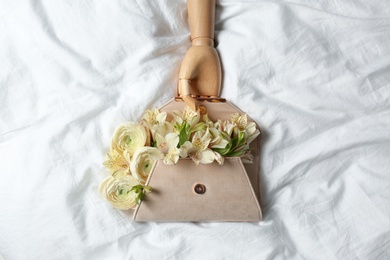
[{"x": 199, "y": 188}]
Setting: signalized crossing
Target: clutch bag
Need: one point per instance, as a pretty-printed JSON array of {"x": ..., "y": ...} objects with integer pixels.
[{"x": 205, "y": 192}]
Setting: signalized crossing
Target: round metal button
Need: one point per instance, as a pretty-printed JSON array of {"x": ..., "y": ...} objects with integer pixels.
[{"x": 200, "y": 188}]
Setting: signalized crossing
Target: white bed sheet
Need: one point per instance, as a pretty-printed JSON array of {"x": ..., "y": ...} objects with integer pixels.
[{"x": 315, "y": 75}]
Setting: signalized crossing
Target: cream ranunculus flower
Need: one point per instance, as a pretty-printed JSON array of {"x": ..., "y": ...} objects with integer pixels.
[
  {"x": 142, "y": 162},
  {"x": 168, "y": 146},
  {"x": 129, "y": 137},
  {"x": 118, "y": 191}
]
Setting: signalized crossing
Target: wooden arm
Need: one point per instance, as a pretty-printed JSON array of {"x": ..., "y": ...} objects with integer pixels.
[
  {"x": 200, "y": 72},
  {"x": 201, "y": 15}
]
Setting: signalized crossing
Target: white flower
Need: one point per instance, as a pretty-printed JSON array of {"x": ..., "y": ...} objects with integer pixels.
[
  {"x": 118, "y": 191},
  {"x": 154, "y": 117},
  {"x": 188, "y": 116},
  {"x": 142, "y": 162},
  {"x": 219, "y": 158},
  {"x": 162, "y": 130},
  {"x": 225, "y": 126},
  {"x": 217, "y": 141},
  {"x": 156, "y": 122},
  {"x": 198, "y": 149},
  {"x": 241, "y": 122},
  {"x": 168, "y": 146},
  {"x": 128, "y": 137},
  {"x": 116, "y": 162},
  {"x": 242, "y": 125}
]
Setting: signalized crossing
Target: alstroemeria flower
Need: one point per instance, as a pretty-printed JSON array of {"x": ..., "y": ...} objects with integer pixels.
[
  {"x": 242, "y": 124},
  {"x": 225, "y": 126},
  {"x": 118, "y": 191},
  {"x": 198, "y": 149},
  {"x": 142, "y": 162},
  {"x": 217, "y": 139},
  {"x": 168, "y": 146},
  {"x": 129, "y": 137},
  {"x": 188, "y": 116},
  {"x": 187, "y": 122},
  {"x": 116, "y": 162},
  {"x": 162, "y": 130},
  {"x": 154, "y": 117},
  {"x": 156, "y": 122}
]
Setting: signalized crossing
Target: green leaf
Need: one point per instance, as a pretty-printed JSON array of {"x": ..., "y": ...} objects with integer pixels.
[
  {"x": 139, "y": 198},
  {"x": 140, "y": 190},
  {"x": 234, "y": 142},
  {"x": 225, "y": 136},
  {"x": 223, "y": 151},
  {"x": 241, "y": 138},
  {"x": 184, "y": 133},
  {"x": 237, "y": 142},
  {"x": 137, "y": 188},
  {"x": 199, "y": 126}
]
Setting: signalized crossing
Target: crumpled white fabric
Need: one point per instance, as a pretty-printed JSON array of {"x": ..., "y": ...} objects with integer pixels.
[{"x": 315, "y": 75}]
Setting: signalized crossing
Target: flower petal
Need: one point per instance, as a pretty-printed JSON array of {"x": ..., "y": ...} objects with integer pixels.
[
  {"x": 172, "y": 140},
  {"x": 185, "y": 148},
  {"x": 129, "y": 137},
  {"x": 118, "y": 191},
  {"x": 142, "y": 162},
  {"x": 207, "y": 156},
  {"x": 219, "y": 158}
]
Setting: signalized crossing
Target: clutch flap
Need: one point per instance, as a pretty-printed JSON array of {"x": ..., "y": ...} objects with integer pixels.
[{"x": 189, "y": 192}]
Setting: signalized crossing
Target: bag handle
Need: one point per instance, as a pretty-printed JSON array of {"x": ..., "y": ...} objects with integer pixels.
[{"x": 200, "y": 72}]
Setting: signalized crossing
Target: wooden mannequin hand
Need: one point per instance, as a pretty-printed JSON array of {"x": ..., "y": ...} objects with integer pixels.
[
  {"x": 200, "y": 72},
  {"x": 201, "y": 69}
]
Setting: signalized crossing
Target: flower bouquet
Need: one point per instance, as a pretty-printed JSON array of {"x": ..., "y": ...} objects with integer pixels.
[{"x": 135, "y": 147}]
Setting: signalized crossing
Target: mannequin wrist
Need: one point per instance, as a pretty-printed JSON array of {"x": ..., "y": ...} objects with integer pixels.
[{"x": 203, "y": 41}]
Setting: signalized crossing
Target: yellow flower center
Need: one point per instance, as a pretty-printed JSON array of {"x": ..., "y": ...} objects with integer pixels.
[
  {"x": 198, "y": 144},
  {"x": 153, "y": 119}
]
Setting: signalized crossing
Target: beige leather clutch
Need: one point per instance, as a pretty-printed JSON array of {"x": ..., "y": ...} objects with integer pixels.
[{"x": 204, "y": 192}]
